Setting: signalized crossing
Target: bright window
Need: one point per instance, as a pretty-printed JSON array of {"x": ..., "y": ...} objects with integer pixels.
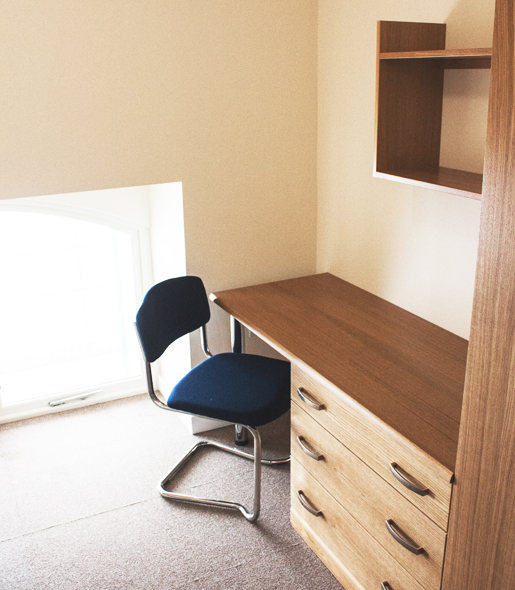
[{"x": 68, "y": 297}]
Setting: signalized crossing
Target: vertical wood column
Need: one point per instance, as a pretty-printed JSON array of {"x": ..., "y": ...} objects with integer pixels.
[{"x": 481, "y": 544}]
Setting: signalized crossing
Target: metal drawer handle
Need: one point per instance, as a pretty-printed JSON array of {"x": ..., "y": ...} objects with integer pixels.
[
  {"x": 308, "y": 399},
  {"x": 385, "y": 586},
  {"x": 308, "y": 449},
  {"x": 402, "y": 538},
  {"x": 307, "y": 504},
  {"x": 396, "y": 471}
]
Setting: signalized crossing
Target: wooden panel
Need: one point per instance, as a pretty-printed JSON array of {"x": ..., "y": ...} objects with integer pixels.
[
  {"x": 370, "y": 500},
  {"x": 403, "y": 369},
  {"x": 353, "y": 556},
  {"x": 448, "y": 180},
  {"x": 445, "y": 54},
  {"x": 409, "y": 114},
  {"x": 378, "y": 446},
  {"x": 409, "y": 98},
  {"x": 394, "y": 36},
  {"x": 411, "y": 61},
  {"x": 449, "y": 59},
  {"x": 481, "y": 550}
]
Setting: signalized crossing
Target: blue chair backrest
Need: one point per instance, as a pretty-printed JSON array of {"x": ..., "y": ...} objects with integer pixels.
[{"x": 170, "y": 310}]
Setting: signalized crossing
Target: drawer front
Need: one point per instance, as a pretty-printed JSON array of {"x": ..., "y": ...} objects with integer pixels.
[
  {"x": 357, "y": 560},
  {"x": 378, "y": 445},
  {"x": 369, "y": 499}
]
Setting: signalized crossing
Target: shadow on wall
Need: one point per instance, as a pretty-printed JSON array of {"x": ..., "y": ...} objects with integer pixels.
[{"x": 471, "y": 24}]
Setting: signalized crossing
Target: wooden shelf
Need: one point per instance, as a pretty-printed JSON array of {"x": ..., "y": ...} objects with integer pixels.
[
  {"x": 448, "y": 58},
  {"x": 411, "y": 59},
  {"x": 458, "y": 182}
]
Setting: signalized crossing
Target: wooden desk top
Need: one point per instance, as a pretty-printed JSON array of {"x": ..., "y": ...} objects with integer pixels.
[{"x": 405, "y": 370}]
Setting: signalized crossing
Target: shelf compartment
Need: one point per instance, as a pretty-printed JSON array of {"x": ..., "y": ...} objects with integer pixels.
[
  {"x": 411, "y": 60},
  {"x": 458, "y": 182}
]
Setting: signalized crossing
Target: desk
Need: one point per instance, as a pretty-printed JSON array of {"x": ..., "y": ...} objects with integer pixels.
[{"x": 390, "y": 388}]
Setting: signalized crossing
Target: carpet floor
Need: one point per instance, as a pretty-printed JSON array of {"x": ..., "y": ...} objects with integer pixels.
[{"x": 79, "y": 508}]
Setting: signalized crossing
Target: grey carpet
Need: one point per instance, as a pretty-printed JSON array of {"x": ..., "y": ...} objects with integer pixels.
[{"x": 79, "y": 508}]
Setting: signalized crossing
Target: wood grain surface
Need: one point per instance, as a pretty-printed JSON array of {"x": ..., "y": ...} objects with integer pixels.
[
  {"x": 449, "y": 59},
  {"x": 481, "y": 547},
  {"x": 409, "y": 98},
  {"x": 448, "y": 180},
  {"x": 352, "y": 554},
  {"x": 404, "y": 370},
  {"x": 397, "y": 36},
  {"x": 411, "y": 60},
  {"x": 378, "y": 445},
  {"x": 370, "y": 499}
]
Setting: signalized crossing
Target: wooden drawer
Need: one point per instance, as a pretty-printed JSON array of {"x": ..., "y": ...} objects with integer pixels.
[
  {"x": 377, "y": 444},
  {"x": 369, "y": 499},
  {"x": 357, "y": 560}
]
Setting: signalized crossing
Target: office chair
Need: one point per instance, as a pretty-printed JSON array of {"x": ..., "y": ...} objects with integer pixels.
[{"x": 243, "y": 389}]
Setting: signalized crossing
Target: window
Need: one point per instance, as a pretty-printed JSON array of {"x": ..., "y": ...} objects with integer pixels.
[{"x": 71, "y": 285}]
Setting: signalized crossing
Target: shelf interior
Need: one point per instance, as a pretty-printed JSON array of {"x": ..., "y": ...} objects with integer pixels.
[
  {"x": 409, "y": 105},
  {"x": 449, "y": 180}
]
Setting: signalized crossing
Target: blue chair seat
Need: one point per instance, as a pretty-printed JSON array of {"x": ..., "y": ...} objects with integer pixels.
[{"x": 240, "y": 388}]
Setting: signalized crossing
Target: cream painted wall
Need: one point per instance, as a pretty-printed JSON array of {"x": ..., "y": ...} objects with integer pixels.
[
  {"x": 218, "y": 95},
  {"x": 412, "y": 246},
  {"x": 223, "y": 97}
]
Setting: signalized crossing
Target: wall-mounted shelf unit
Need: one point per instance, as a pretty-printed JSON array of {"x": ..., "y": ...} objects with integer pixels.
[{"x": 411, "y": 60}]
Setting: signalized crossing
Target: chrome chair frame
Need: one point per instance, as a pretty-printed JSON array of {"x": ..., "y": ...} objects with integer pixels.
[{"x": 251, "y": 516}]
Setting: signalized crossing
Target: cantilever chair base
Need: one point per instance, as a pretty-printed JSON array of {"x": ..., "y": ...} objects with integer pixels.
[{"x": 258, "y": 461}]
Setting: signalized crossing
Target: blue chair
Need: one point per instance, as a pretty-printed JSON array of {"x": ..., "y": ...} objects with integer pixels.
[{"x": 244, "y": 389}]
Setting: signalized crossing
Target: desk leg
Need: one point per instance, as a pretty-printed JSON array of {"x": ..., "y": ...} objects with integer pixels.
[
  {"x": 241, "y": 436},
  {"x": 236, "y": 337}
]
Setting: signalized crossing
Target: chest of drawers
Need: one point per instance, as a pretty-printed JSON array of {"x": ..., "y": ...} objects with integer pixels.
[{"x": 359, "y": 489}]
